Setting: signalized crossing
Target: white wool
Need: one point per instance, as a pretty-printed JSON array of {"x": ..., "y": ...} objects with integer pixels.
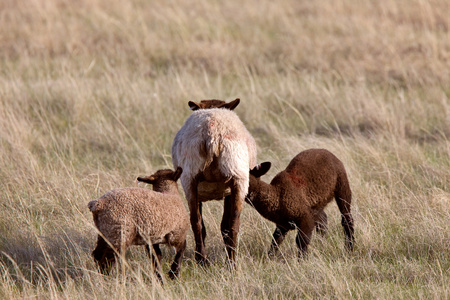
[{"x": 214, "y": 134}]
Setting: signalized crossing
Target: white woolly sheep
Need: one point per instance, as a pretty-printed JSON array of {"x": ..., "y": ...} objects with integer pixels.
[
  {"x": 139, "y": 216},
  {"x": 297, "y": 196},
  {"x": 215, "y": 151}
]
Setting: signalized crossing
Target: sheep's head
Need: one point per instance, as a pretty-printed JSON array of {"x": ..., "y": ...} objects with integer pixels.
[
  {"x": 214, "y": 103},
  {"x": 162, "y": 179}
]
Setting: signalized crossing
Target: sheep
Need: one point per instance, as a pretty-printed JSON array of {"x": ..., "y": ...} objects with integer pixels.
[
  {"x": 138, "y": 216},
  {"x": 297, "y": 196},
  {"x": 215, "y": 151},
  {"x": 213, "y": 103}
]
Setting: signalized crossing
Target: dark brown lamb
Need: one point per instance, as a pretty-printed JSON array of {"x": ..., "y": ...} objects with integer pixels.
[{"x": 297, "y": 196}]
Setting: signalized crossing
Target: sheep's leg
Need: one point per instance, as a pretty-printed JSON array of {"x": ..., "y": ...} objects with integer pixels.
[
  {"x": 305, "y": 229},
  {"x": 175, "y": 268},
  {"x": 225, "y": 224},
  {"x": 200, "y": 205},
  {"x": 104, "y": 255},
  {"x": 321, "y": 223},
  {"x": 231, "y": 220},
  {"x": 196, "y": 222},
  {"x": 156, "y": 259},
  {"x": 278, "y": 237},
  {"x": 344, "y": 198}
]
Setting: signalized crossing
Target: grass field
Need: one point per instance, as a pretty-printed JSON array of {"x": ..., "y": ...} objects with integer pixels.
[{"x": 92, "y": 93}]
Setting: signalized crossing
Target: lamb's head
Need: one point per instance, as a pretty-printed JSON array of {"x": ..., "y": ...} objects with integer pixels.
[
  {"x": 254, "y": 178},
  {"x": 163, "y": 180},
  {"x": 260, "y": 170},
  {"x": 214, "y": 103}
]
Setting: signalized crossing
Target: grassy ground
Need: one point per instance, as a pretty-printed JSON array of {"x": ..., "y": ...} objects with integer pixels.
[{"x": 93, "y": 92}]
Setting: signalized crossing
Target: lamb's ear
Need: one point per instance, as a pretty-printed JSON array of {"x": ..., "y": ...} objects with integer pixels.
[
  {"x": 149, "y": 179},
  {"x": 177, "y": 173},
  {"x": 194, "y": 105},
  {"x": 231, "y": 105},
  {"x": 261, "y": 169}
]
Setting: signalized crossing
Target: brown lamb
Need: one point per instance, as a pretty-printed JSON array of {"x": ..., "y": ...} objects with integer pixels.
[
  {"x": 139, "y": 216},
  {"x": 297, "y": 196}
]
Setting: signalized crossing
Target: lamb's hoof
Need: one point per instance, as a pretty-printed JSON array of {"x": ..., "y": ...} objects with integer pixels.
[
  {"x": 272, "y": 253},
  {"x": 159, "y": 278},
  {"x": 231, "y": 265},
  {"x": 173, "y": 275},
  {"x": 349, "y": 245},
  {"x": 302, "y": 255}
]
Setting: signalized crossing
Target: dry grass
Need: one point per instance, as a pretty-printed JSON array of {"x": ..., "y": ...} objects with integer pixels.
[{"x": 93, "y": 92}]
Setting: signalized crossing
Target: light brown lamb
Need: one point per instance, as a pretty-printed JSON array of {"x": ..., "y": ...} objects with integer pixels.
[
  {"x": 139, "y": 216},
  {"x": 297, "y": 196},
  {"x": 215, "y": 151}
]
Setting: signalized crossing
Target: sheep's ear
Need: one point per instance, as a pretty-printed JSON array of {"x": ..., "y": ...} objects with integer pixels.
[
  {"x": 261, "y": 169},
  {"x": 231, "y": 105},
  {"x": 149, "y": 179},
  {"x": 177, "y": 173},
  {"x": 194, "y": 105}
]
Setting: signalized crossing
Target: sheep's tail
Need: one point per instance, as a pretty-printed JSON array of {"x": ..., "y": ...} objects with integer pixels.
[
  {"x": 211, "y": 148},
  {"x": 93, "y": 206}
]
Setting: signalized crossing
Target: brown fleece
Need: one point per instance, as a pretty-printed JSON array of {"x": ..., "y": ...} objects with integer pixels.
[{"x": 297, "y": 196}]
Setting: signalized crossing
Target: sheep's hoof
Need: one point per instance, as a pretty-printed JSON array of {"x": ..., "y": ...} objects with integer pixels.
[
  {"x": 201, "y": 260},
  {"x": 204, "y": 263}
]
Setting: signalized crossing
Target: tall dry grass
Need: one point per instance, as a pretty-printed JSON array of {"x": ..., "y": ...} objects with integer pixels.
[{"x": 93, "y": 92}]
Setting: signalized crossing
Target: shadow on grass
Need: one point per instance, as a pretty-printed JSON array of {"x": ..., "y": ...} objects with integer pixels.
[{"x": 34, "y": 259}]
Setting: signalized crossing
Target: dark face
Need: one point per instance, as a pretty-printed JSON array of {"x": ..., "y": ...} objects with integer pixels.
[
  {"x": 260, "y": 170},
  {"x": 214, "y": 103},
  {"x": 254, "y": 177},
  {"x": 162, "y": 176}
]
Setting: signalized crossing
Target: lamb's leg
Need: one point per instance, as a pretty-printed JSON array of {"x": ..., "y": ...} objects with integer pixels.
[
  {"x": 278, "y": 237},
  {"x": 175, "y": 268},
  {"x": 343, "y": 198},
  {"x": 155, "y": 256},
  {"x": 305, "y": 229},
  {"x": 196, "y": 222},
  {"x": 157, "y": 252},
  {"x": 347, "y": 224},
  {"x": 321, "y": 223},
  {"x": 104, "y": 255},
  {"x": 231, "y": 220}
]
